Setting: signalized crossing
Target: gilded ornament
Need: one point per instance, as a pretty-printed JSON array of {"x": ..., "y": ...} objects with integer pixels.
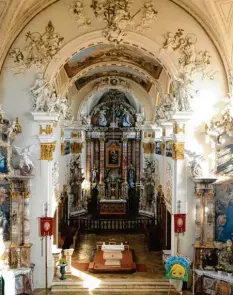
[
  {"x": 48, "y": 129},
  {"x": 17, "y": 127},
  {"x": 178, "y": 128},
  {"x": 62, "y": 133},
  {"x": 47, "y": 150},
  {"x": 162, "y": 147},
  {"x": 63, "y": 148},
  {"x": 149, "y": 147},
  {"x": 177, "y": 150},
  {"x": 26, "y": 195},
  {"x": 74, "y": 135},
  {"x": 76, "y": 147}
]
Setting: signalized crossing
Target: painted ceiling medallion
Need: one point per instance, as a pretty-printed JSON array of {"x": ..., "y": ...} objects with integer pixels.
[
  {"x": 38, "y": 51},
  {"x": 116, "y": 14}
]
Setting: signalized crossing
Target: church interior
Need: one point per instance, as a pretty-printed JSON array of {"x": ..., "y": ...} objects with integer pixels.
[{"x": 116, "y": 144}]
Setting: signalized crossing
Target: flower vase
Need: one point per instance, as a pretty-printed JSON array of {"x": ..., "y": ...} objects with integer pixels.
[
  {"x": 229, "y": 274},
  {"x": 219, "y": 272},
  {"x": 62, "y": 271}
]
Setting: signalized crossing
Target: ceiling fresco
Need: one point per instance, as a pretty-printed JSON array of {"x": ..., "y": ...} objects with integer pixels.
[
  {"x": 108, "y": 53},
  {"x": 81, "y": 82}
]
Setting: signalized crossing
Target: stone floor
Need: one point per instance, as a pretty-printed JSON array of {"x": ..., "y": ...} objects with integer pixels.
[{"x": 153, "y": 260}]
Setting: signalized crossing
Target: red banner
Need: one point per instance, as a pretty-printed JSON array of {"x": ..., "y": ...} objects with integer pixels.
[
  {"x": 46, "y": 226},
  {"x": 179, "y": 223}
]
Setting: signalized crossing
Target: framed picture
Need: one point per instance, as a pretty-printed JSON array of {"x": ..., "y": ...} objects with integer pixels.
[
  {"x": 113, "y": 156},
  {"x": 5, "y": 155}
]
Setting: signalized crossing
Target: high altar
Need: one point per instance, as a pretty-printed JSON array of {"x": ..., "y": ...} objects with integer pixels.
[{"x": 113, "y": 139}]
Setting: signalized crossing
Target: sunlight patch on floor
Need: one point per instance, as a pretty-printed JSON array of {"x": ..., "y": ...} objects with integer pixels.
[{"x": 89, "y": 281}]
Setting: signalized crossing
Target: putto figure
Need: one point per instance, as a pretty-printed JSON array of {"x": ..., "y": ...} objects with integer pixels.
[{"x": 25, "y": 164}]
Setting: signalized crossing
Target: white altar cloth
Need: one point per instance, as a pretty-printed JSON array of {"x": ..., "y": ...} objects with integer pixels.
[{"x": 112, "y": 254}]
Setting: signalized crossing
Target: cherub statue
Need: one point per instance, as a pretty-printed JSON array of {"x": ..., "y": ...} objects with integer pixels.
[{"x": 25, "y": 153}]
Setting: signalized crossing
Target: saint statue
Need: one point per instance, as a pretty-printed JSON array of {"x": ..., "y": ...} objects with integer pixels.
[
  {"x": 102, "y": 118},
  {"x": 95, "y": 174},
  {"x": 126, "y": 120},
  {"x": 131, "y": 176}
]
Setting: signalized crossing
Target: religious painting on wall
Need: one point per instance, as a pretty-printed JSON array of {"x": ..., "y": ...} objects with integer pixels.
[
  {"x": 224, "y": 211},
  {"x": 113, "y": 156},
  {"x": 3, "y": 160},
  {"x": 4, "y": 211}
]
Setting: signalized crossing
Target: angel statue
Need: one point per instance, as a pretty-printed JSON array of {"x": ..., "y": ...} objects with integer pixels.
[{"x": 25, "y": 164}]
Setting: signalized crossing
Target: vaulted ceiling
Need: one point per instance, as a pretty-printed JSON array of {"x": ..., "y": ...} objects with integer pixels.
[{"x": 215, "y": 16}]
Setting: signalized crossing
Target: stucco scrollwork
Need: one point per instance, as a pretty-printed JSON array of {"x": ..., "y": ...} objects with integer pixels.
[
  {"x": 77, "y": 12},
  {"x": 195, "y": 163},
  {"x": 38, "y": 51},
  {"x": 190, "y": 59},
  {"x": 110, "y": 82},
  {"x": 116, "y": 14},
  {"x": 219, "y": 132}
]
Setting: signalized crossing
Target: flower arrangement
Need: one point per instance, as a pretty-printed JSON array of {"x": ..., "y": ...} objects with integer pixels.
[
  {"x": 62, "y": 261},
  {"x": 229, "y": 270},
  {"x": 218, "y": 267}
]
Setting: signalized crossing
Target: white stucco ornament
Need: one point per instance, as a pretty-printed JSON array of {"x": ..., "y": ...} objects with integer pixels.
[
  {"x": 166, "y": 109},
  {"x": 39, "y": 49},
  {"x": 190, "y": 59},
  {"x": 110, "y": 82},
  {"x": 195, "y": 163},
  {"x": 45, "y": 99},
  {"x": 184, "y": 92},
  {"x": 25, "y": 165},
  {"x": 77, "y": 12},
  {"x": 55, "y": 174},
  {"x": 116, "y": 14}
]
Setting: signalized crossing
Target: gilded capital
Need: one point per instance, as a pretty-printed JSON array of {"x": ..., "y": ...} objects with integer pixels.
[
  {"x": 76, "y": 147},
  {"x": 178, "y": 150},
  {"x": 149, "y": 147},
  {"x": 26, "y": 195},
  {"x": 162, "y": 148},
  {"x": 63, "y": 148},
  {"x": 46, "y": 150}
]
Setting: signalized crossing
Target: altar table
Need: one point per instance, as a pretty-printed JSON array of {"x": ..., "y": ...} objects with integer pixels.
[
  {"x": 112, "y": 254},
  {"x": 113, "y": 207}
]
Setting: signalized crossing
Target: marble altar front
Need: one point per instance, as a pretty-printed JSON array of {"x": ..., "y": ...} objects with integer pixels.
[
  {"x": 112, "y": 254},
  {"x": 113, "y": 206}
]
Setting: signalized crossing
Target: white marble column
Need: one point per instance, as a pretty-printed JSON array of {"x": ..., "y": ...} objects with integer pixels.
[
  {"x": 68, "y": 254},
  {"x": 56, "y": 256}
]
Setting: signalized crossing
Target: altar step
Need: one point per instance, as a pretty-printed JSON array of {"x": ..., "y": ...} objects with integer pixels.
[{"x": 114, "y": 286}]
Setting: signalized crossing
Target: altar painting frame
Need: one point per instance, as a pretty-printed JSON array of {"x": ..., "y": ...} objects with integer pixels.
[
  {"x": 5, "y": 210},
  {"x": 112, "y": 152}
]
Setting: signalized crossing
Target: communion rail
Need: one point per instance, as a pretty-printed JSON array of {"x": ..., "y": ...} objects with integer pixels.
[{"x": 85, "y": 224}]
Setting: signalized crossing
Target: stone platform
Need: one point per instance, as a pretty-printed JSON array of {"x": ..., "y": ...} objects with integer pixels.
[{"x": 112, "y": 285}]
